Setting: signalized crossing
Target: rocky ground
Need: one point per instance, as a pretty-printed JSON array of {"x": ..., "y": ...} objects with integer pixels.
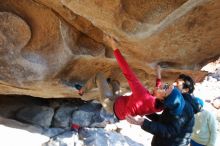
[{"x": 42, "y": 122}]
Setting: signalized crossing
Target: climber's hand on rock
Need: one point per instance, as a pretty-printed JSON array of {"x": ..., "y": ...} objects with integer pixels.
[{"x": 111, "y": 41}]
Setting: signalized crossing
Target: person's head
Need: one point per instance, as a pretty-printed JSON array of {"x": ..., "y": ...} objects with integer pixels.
[
  {"x": 162, "y": 92},
  {"x": 200, "y": 102},
  {"x": 185, "y": 84}
]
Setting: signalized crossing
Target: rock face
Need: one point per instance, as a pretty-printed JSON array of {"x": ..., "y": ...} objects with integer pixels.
[{"x": 46, "y": 45}]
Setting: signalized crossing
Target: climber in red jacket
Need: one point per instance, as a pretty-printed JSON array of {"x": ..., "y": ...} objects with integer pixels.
[{"x": 140, "y": 102}]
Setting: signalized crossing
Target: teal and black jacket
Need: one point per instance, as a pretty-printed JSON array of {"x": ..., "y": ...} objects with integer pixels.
[{"x": 174, "y": 126}]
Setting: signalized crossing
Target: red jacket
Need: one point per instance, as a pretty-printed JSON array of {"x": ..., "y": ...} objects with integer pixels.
[{"x": 140, "y": 102}]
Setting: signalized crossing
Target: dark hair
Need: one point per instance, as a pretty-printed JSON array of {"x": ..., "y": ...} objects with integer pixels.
[{"x": 188, "y": 82}]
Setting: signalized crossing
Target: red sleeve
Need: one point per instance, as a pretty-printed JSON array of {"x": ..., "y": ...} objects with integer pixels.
[{"x": 135, "y": 85}]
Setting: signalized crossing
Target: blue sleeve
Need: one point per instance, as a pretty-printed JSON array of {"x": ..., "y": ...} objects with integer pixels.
[
  {"x": 171, "y": 129},
  {"x": 153, "y": 117}
]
